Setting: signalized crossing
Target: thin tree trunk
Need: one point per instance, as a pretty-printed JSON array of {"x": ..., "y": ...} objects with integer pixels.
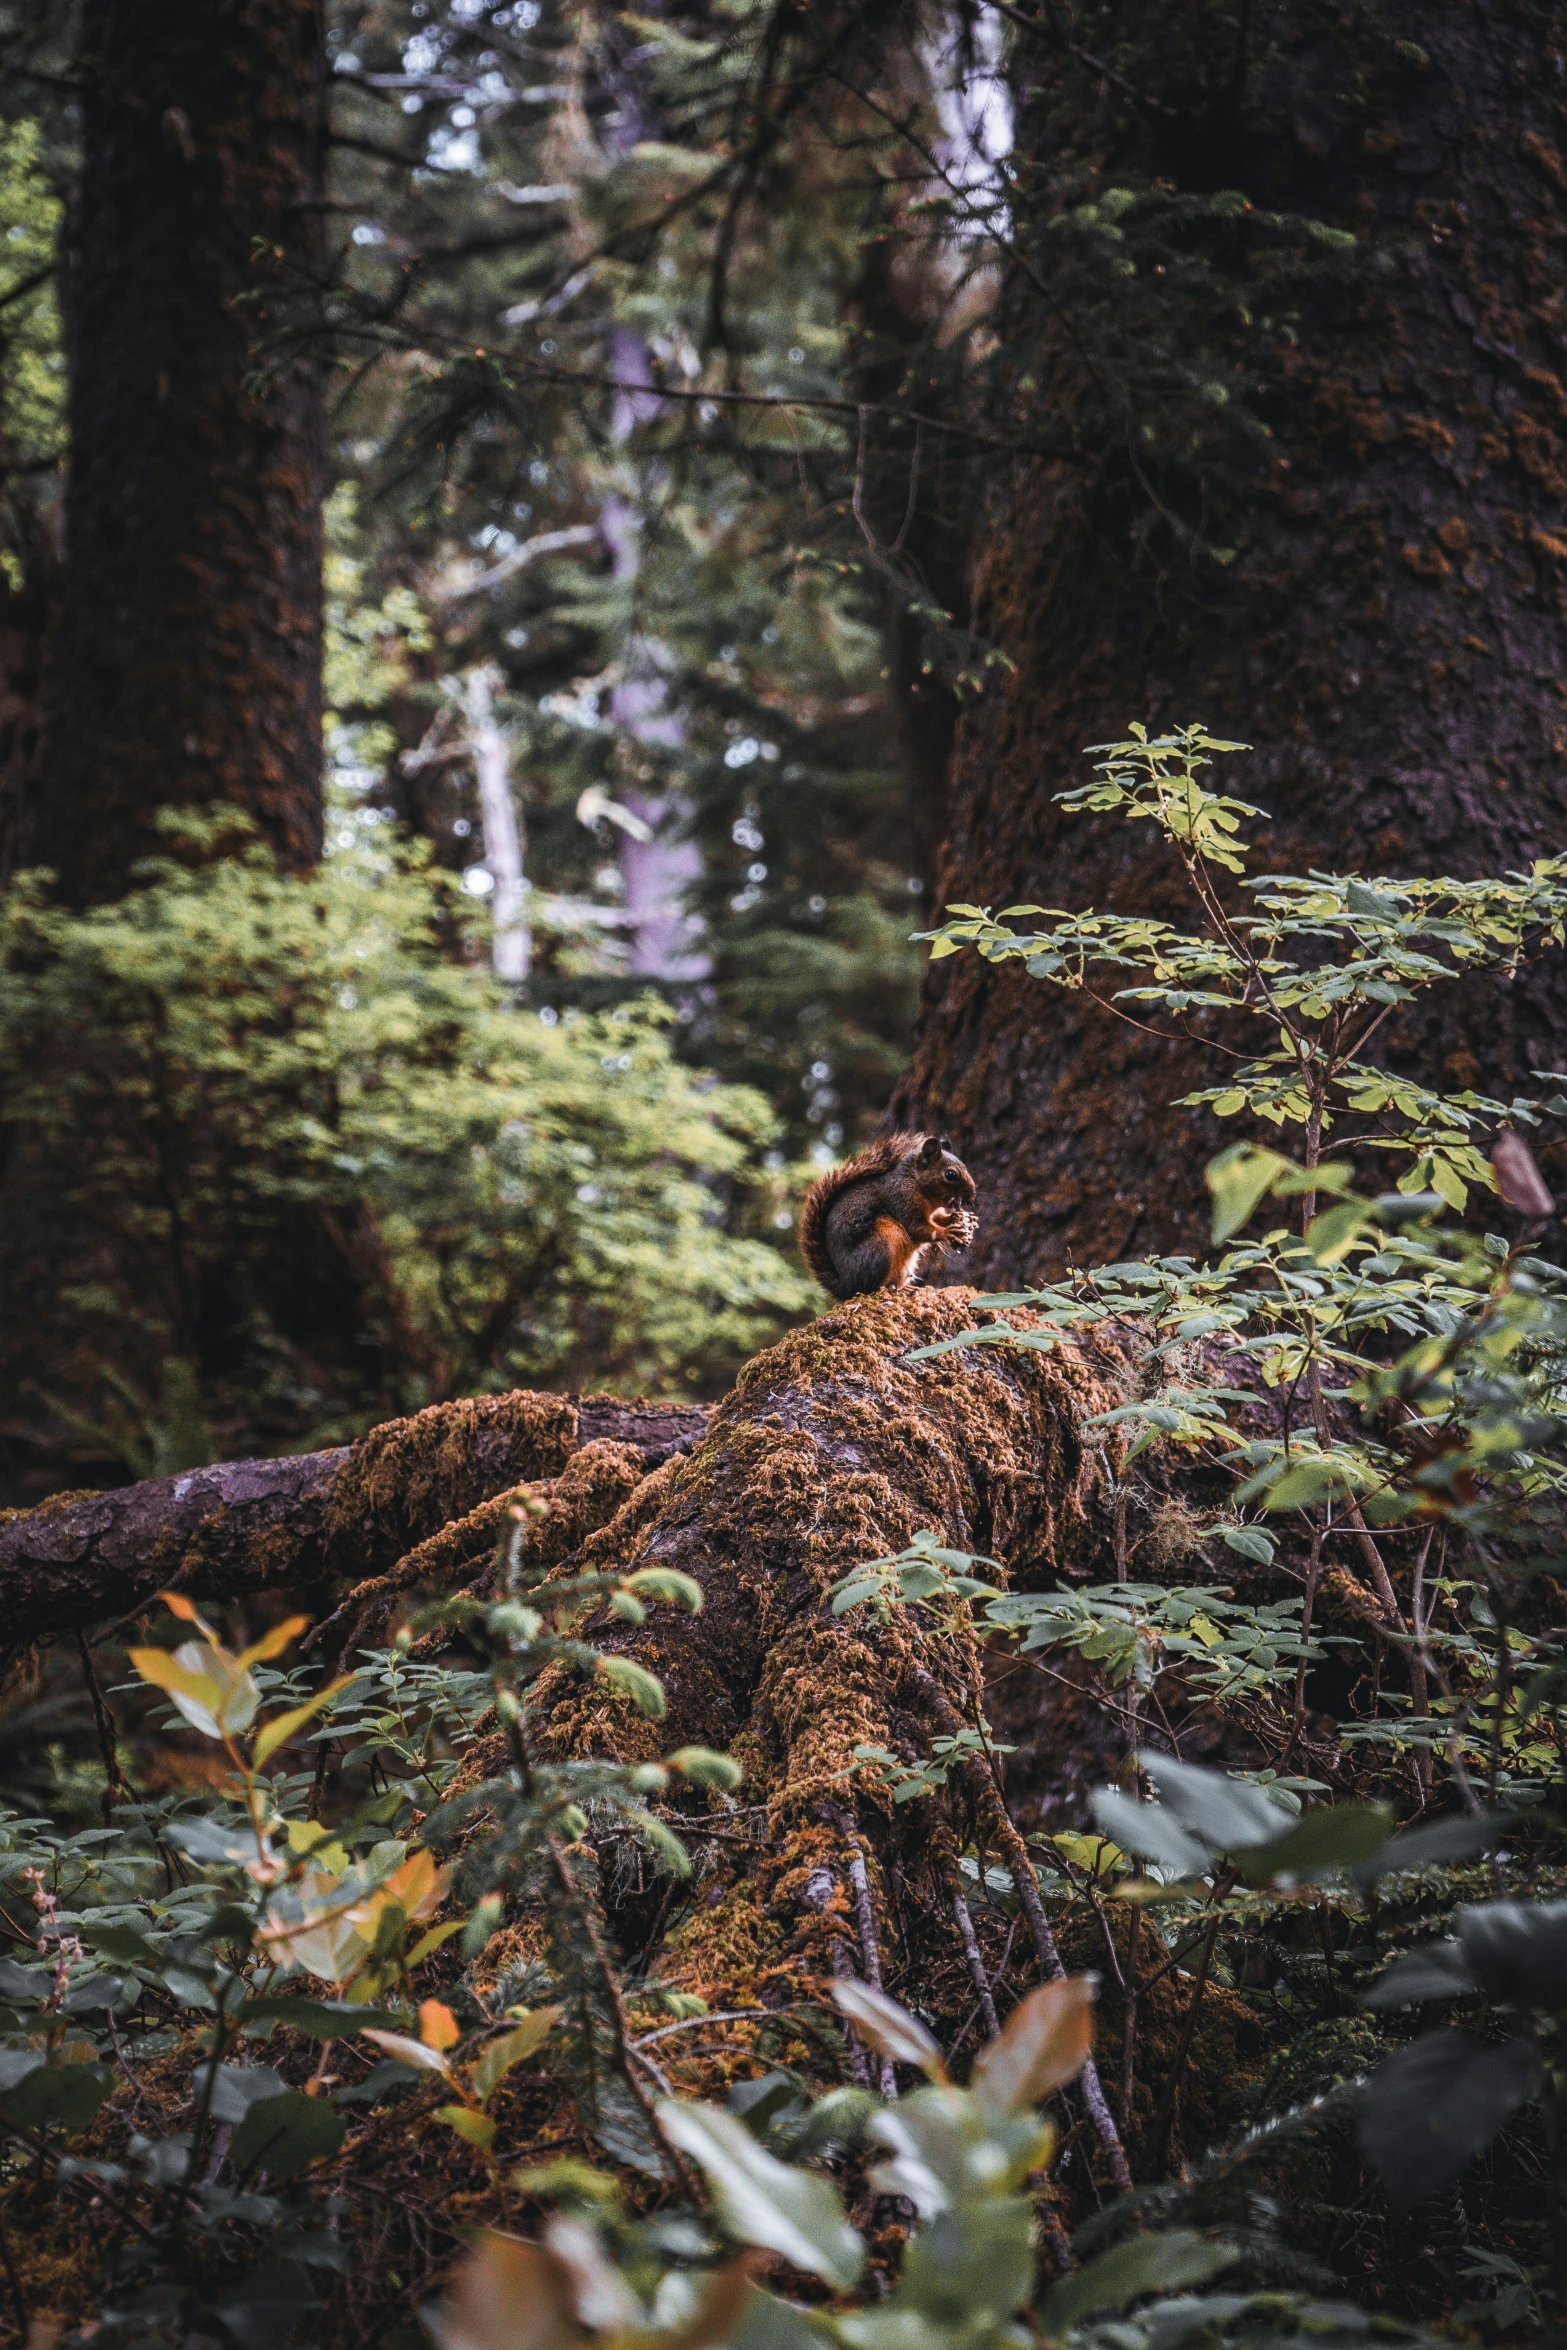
[
  {"x": 490, "y": 748},
  {"x": 1374, "y": 592},
  {"x": 188, "y": 671}
]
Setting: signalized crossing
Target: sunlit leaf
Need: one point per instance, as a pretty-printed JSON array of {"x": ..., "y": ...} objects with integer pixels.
[
  {"x": 1043, "y": 2044},
  {"x": 888, "y": 2028},
  {"x": 763, "y": 2201}
]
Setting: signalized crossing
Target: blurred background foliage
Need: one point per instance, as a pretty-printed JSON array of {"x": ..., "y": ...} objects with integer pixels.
[{"x": 338, "y": 1168}]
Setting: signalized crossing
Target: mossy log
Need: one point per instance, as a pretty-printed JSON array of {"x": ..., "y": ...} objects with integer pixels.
[
  {"x": 319, "y": 1518},
  {"x": 833, "y": 1449}
]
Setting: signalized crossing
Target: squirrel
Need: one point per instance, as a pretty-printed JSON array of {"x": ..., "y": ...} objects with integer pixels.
[{"x": 880, "y": 1220}]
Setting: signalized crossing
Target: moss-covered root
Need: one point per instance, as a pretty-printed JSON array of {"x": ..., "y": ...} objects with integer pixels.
[{"x": 835, "y": 1448}]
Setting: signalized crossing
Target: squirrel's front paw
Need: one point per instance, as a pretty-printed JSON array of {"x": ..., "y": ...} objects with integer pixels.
[{"x": 956, "y": 1228}]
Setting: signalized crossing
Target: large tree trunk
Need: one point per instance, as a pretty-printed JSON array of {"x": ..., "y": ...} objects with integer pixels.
[
  {"x": 1373, "y": 596},
  {"x": 188, "y": 667}
]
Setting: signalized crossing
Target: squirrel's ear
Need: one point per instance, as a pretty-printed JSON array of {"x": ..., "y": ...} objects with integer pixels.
[
  {"x": 946, "y": 1144},
  {"x": 930, "y": 1152}
]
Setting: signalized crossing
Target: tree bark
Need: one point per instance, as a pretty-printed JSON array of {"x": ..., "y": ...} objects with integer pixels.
[
  {"x": 1371, "y": 590},
  {"x": 188, "y": 667}
]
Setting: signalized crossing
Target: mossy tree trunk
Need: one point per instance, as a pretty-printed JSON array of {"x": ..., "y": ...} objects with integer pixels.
[
  {"x": 1309, "y": 493},
  {"x": 189, "y": 655}
]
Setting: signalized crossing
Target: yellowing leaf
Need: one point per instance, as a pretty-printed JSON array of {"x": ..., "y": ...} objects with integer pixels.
[
  {"x": 197, "y": 1695},
  {"x": 477, "y": 2128},
  {"x": 271, "y": 1644},
  {"x": 438, "y": 2027},
  {"x": 1043, "y": 2044},
  {"x": 431, "y": 1942},
  {"x": 201, "y": 1677},
  {"x": 178, "y": 1605},
  {"x": 281, "y": 1728}
]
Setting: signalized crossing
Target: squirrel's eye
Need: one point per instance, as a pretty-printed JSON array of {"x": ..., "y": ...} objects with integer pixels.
[{"x": 954, "y": 1178}]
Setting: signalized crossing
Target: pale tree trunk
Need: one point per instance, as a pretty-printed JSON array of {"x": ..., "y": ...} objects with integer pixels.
[{"x": 489, "y": 746}]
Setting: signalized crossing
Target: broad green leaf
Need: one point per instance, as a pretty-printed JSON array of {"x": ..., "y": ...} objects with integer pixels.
[
  {"x": 35, "y": 2095},
  {"x": 236, "y": 2088},
  {"x": 1239, "y": 1179},
  {"x": 1460, "y": 1837},
  {"x": 1149, "y": 1831},
  {"x": 1331, "y": 1235},
  {"x": 285, "y": 2135},
  {"x": 1436, "y": 1972},
  {"x": 1517, "y": 1950},
  {"x": 1251, "y": 1542},
  {"x": 1334, "y": 1837},
  {"x": 888, "y": 2028},
  {"x": 319, "y": 2019},
  {"x": 1228, "y": 1814},
  {"x": 763, "y": 2201},
  {"x": 1163, "y": 2263},
  {"x": 513, "y": 2048},
  {"x": 1435, "y": 2105}
]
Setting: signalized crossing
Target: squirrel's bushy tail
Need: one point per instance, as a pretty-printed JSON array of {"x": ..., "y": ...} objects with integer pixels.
[{"x": 888, "y": 1151}]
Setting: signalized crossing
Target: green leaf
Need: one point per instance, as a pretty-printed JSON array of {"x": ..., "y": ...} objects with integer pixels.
[
  {"x": 513, "y": 2048},
  {"x": 1335, "y": 1837},
  {"x": 1238, "y": 1179},
  {"x": 763, "y": 2201},
  {"x": 1435, "y": 2105},
  {"x": 1251, "y": 1542},
  {"x": 319, "y": 2019},
  {"x": 285, "y": 2135},
  {"x": 1331, "y": 1235},
  {"x": 36, "y": 2095},
  {"x": 1462, "y": 1837},
  {"x": 1164, "y": 2263},
  {"x": 1517, "y": 1950},
  {"x": 1148, "y": 1830},
  {"x": 637, "y": 1682},
  {"x": 1227, "y": 1813}
]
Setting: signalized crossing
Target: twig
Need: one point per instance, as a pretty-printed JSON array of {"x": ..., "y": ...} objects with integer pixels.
[
  {"x": 820, "y": 1887},
  {"x": 692, "y": 2023},
  {"x": 1183, "y": 2046},
  {"x": 1129, "y": 2028},
  {"x": 117, "y": 1787},
  {"x": 976, "y": 1963},
  {"x": 865, "y": 1918},
  {"x": 936, "y": 1702}
]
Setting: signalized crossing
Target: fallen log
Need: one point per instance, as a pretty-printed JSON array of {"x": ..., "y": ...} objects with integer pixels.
[{"x": 321, "y": 1518}]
